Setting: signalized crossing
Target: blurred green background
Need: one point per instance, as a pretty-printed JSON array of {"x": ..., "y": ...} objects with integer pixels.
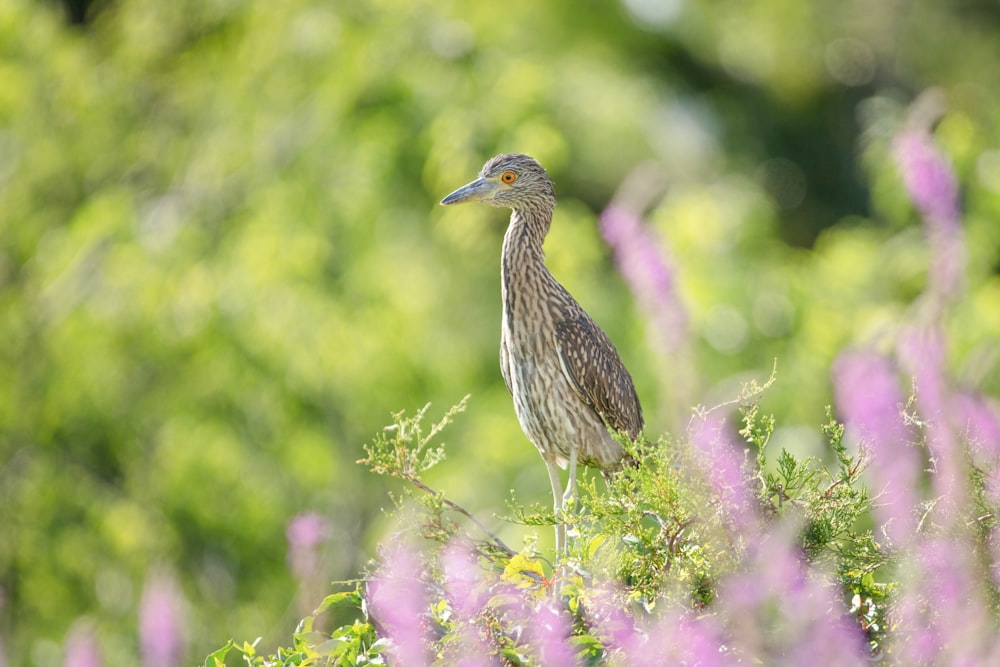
[{"x": 222, "y": 263}]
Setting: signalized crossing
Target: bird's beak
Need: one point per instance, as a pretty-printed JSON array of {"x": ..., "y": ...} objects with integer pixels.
[{"x": 477, "y": 190}]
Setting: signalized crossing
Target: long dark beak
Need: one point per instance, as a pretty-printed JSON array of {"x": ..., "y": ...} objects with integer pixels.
[{"x": 477, "y": 190}]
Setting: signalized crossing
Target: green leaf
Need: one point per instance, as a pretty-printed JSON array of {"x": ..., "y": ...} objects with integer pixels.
[
  {"x": 338, "y": 600},
  {"x": 310, "y": 638},
  {"x": 218, "y": 658},
  {"x": 595, "y": 544},
  {"x": 513, "y": 657},
  {"x": 250, "y": 649}
]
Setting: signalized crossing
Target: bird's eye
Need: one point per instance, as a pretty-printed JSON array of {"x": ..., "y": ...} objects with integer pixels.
[{"x": 508, "y": 177}]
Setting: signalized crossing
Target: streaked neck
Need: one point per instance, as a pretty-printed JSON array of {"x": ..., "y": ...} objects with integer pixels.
[{"x": 527, "y": 231}]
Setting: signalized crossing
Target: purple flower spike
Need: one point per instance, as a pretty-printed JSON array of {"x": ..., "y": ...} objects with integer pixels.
[
  {"x": 721, "y": 462},
  {"x": 462, "y": 579},
  {"x": 399, "y": 603},
  {"x": 306, "y": 533},
  {"x": 677, "y": 638},
  {"x": 933, "y": 188},
  {"x": 959, "y": 616},
  {"x": 549, "y": 634},
  {"x": 82, "y": 649},
  {"x": 614, "y": 626},
  {"x": 928, "y": 177},
  {"x": 977, "y": 419},
  {"x": 692, "y": 641},
  {"x": 867, "y": 395},
  {"x": 161, "y": 614},
  {"x": 922, "y": 353},
  {"x": 648, "y": 274},
  {"x": 777, "y": 609}
]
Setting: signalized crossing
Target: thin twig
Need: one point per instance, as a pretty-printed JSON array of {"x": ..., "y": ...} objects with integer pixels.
[
  {"x": 461, "y": 510},
  {"x": 748, "y": 394}
]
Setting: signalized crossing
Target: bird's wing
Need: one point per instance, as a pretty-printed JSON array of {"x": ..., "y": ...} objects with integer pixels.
[{"x": 591, "y": 363}]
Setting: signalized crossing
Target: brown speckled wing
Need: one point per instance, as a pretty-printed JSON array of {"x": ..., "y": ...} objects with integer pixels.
[{"x": 592, "y": 365}]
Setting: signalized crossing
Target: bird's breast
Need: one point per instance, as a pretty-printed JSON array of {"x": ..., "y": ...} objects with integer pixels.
[{"x": 550, "y": 411}]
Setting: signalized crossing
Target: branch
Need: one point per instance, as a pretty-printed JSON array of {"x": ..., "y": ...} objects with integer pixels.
[{"x": 461, "y": 510}]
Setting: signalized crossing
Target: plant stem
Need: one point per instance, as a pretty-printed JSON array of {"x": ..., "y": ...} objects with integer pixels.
[{"x": 461, "y": 510}]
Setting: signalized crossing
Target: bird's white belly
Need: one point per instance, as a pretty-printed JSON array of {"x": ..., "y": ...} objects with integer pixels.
[{"x": 542, "y": 409}]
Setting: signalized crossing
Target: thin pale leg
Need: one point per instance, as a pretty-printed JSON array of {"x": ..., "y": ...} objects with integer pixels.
[
  {"x": 570, "y": 493},
  {"x": 556, "y": 497}
]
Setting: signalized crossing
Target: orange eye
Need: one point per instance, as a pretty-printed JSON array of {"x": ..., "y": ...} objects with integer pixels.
[{"x": 508, "y": 177}]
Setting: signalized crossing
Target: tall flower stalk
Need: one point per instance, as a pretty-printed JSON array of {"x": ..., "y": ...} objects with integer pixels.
[{"x": 162, "y": 634}]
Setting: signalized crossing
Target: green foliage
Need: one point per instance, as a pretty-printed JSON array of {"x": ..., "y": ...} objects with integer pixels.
[
  {"x": 402, "y": 449},
  {"x": 347, "y": 646},
  {"x": 221, "y": 259},
  {"x": 833, "y": 508},
  {"x": 652, "y": 539},
  {"x": 651, "y": 529},
  {"x": 831, "y": 503}
]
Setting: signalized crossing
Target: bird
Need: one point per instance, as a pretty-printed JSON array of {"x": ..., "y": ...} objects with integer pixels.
[{"x": 569, "y": 386}]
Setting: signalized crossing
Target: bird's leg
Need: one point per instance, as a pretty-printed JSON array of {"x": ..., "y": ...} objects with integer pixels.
[
  {"x": 557, "y": 506},
  {"x": 569, "y": 496}
]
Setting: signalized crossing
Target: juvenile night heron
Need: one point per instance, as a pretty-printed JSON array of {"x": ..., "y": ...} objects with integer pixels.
[{"x": 569, "y": 385}]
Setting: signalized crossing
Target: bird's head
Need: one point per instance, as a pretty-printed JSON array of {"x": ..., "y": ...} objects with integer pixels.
[{"x": 510, "y": 180}]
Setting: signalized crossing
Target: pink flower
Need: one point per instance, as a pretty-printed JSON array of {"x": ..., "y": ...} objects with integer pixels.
[
  {"x": 161, "y": 631},
  {"x": 398, "y": 602},
  {"x": 796, "y": 617},
  {"x": 82, "y": 649},
  {"x": 869, "y": 401},
  {"x": 647, "y": 273},
  {"x": 306, "y": 533},
  {"x": 721, "y": 459},
  {"x": 548, "y": 633},
  {"x": 933, "y": 188},
  {"x": 676, "y": 638},
  {"x": 462, "y": 577},
  {"x": 977, "y": 419},
  {"x": 928, "y": 177},
  {"x": 922, "y": 353},
  {"x": 462, "y": 580}
]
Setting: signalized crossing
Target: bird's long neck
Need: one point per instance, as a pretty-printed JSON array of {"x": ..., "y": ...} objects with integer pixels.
[
  {"x": 522, "y": 263},
  {"x": 526, "y": 232},
  {"x": 522, "y": 244}
]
